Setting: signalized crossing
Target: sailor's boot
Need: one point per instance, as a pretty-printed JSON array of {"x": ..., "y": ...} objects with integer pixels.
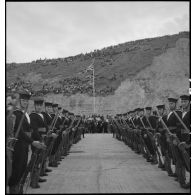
[
  {"x": 34, "y": 179},
  {"x": 154, "y": 159}
]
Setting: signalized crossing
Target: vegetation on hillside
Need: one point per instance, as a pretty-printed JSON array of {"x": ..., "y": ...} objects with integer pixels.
[{"x": 113, "y": 65}]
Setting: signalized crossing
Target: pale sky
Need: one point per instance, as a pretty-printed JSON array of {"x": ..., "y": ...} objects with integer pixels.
[{"x": 60, "y": 29}]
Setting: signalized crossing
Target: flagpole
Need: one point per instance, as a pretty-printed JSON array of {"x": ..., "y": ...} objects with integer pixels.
[{"x": 93, "y": 88}]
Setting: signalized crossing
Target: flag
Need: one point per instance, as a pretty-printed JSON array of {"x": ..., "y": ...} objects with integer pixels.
[
  {"x": 90, "y": 67},
  {"x": 90, "y": 82},
  {"x": 89, "y": 76}
]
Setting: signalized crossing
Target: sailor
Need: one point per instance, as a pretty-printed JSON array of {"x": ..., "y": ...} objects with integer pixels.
[
  {"x": 160, "y": 133},
  {"x": 185, "y": 139},
  {"x": 21, "y": 148},
  {"x": 149, "y": 122},
  {"x": 39, "y": 128},
  {"x": 65, "y": 125},
  {"x": 11, "y": 102},
  {"x": 50, "y": 136},
  {"x": 56, "y": 112},
  {"x": 186, "y": 118},
  {"x": 173, "y": 124}
]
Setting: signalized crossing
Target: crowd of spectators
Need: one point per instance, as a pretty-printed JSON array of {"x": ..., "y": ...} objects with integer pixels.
[
  {"x": 98, "y": 53},
  {"x": 75, "y": 85},
  {"x": 97, "y": 124},
  {"x": 67, "y": 87}
]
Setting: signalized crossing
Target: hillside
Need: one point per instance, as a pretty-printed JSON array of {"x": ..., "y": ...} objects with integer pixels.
[
  {"x": 112, "y": 65},
  {"x": 134, "y": 73}
]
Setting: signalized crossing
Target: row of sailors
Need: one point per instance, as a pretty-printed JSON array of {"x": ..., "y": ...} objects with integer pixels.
[
  {"x": 170, "y": 131},
  {"x": 49, "y": 132}
]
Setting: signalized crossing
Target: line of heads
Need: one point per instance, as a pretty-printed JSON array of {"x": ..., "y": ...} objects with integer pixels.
[
  {"x": 160, "y": 108},
  {"x": 23, "y": 97}
]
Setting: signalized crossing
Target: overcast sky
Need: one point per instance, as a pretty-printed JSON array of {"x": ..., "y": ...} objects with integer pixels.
[{"x": 60, "y": 29}]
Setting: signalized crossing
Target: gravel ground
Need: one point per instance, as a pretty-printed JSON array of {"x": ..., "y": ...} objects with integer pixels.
[{"x": 102, "y": 164}]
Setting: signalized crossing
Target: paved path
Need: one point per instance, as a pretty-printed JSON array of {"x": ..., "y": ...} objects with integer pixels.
[{"x": 102, "y": 164}]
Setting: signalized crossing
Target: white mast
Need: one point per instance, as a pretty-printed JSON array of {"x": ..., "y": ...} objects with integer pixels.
[{"x": 93, "y": 87}]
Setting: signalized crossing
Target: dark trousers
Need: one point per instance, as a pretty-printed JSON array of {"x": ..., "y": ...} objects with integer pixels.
[
  {"x": 83, "y": 132},
  {"x": 56, "y": 144},
  {"x": 19, "y": 163}
]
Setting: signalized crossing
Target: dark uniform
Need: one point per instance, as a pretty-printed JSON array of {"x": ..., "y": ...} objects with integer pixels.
[
  {"x": 160, "y": 129},
  {"x": 47, "y": 116},
  {"x": 66, "y": 122},
  {"x": 149, "y": 123},
  {"x": 20, "y": 154},
  {"x": 147, "y": 144},
  {"x": 173, "y": 152},
  {"x": 136, "y": 132},
  {"x": 186, "y": 118},
  {"x": 48, "y": 140},
  {"x": 39, "y": 128},
  {"x": 48, "y": 120},
  {"x": 63, "y": 136},
  {"x": 57, "y": 141},
  {"x": 186, "y": 138},
  {"x": 10, "y": 122}
]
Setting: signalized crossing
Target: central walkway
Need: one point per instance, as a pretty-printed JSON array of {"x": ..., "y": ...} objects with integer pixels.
[{"x": 101, "y": 164}]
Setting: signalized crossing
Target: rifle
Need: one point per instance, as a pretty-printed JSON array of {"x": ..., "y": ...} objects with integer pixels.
[
  {"x": 143, "y": 123},
  {"x": 154, "y": 143},
  {"x": 185, "y": 155},
  {"x": 48, "y": 150},
  {"x": 54, "y": 121},
  {"x": 125, "y": 129},
  {"x": 53, "y": 139},
  {"x": 69, "y": 133},
  {"x": 144, "y": 146},
  {"x": 11, "y": 141},
  {"x": 130, "y": 132},
  {"x": 30, "y": 168},
  {"x": 58, "y": 152},
  {"x": 181, "y": 145},
  {"x": 171, "y": 137},
  {"x": 180, "y": 120},
  {"x": 163, "y": 123},
  {"x": 134, "y": 136},
  {"x": 118, "y": 128},
  {"x": 126, "y": 124},
  {"x": 76, "y": 130},
  {"x": 71, "y": 124},
  {"x": 66, "y": 138},
  {"x": 149, "y": 123},
  {"x": 44, "y": 153}
]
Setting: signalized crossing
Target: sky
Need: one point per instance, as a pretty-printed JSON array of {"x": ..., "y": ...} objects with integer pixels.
[{"x": 49, "y": 30}]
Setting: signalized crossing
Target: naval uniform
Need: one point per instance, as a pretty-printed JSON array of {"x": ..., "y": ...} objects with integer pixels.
[
  {"x": 20, "y": 154},
  {"x": 160, "y": 129},
  {"x": 59, "y": 138},
  {"x": 39, "y": 127},
  {"x": 185, "y": 136}
]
